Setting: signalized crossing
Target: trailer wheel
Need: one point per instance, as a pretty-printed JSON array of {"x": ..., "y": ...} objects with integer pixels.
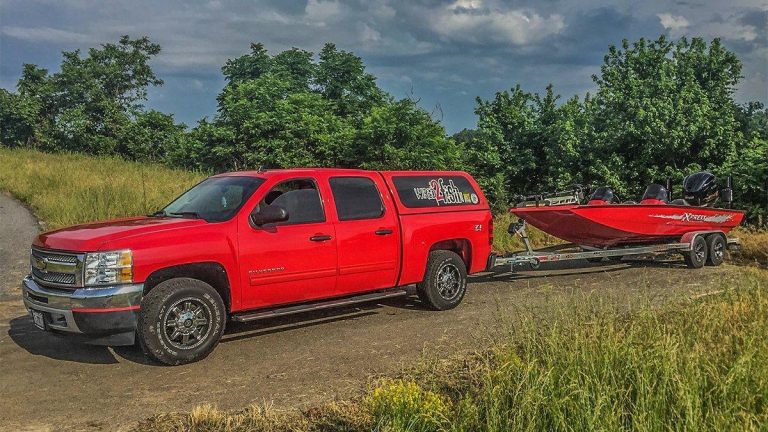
[
  {"x": 181, "y": 321},
  {"x": 445, "y": 281},
  {"x": 715, "y": 249},
  {"x": 697, "y": 256}
]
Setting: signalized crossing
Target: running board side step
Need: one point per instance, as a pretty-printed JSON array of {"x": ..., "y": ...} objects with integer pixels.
[{"x": 290, "y": 310}]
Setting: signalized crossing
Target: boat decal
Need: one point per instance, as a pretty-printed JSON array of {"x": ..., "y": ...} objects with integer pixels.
[{"x": 692, "y": 217}]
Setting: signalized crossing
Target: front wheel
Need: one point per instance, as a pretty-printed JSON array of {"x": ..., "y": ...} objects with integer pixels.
[
  {"x": 445, "y": 281},
  {"x": 697, "y": 256},
  {"x": 181, "y": 321}
]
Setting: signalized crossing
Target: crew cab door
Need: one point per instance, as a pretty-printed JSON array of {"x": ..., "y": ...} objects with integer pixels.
[
  {"x": 290, "y": 261},
  {"x": 367, "y": 233}
]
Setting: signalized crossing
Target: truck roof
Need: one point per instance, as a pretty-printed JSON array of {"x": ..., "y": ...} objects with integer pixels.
[{"x": 266, "y": 173}]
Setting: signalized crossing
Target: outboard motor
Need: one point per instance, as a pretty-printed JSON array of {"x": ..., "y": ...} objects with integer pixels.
[
  {"x": 655, "y": 194},
  {"x": 602, "y": 196},
  {"x": 700, "y": 189}
]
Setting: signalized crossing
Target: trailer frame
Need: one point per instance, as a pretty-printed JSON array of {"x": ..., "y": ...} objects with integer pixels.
[{"x": 534, "y": 258}]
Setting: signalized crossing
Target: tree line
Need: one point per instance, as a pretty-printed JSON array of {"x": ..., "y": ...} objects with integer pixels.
[{"x": 662, "y": 109}]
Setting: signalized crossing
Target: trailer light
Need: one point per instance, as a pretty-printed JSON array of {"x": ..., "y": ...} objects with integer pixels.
[{"x": 104, "y": 268}]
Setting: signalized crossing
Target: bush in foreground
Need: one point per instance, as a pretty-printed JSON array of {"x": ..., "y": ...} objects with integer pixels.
[{"x": 702, "y": 365}]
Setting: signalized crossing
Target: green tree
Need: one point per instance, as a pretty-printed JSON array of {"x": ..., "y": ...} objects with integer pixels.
[
  {"x": 400, "y": 135},
  {"x": 665, "y": 108}
]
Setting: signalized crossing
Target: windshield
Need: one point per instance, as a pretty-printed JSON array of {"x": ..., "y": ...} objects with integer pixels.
[{"x": 215, "y": 199}]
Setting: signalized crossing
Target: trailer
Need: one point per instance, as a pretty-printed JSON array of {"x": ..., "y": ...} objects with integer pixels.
[{"x": 693, "y": 246}]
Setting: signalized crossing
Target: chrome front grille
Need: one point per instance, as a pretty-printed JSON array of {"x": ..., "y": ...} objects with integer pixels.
[{"x": 57, "y": 269}]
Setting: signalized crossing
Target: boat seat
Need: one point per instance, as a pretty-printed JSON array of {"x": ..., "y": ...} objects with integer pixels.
[
  {"x": 603, "y": 196},
  {"x": 655, "y": 194},
  {"x": 679, "y": 202}
]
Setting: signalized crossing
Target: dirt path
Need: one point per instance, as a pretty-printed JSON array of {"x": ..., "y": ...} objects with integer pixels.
[
  {"x": 17, "y": 230},
  {"x": 49, "y": 384}
]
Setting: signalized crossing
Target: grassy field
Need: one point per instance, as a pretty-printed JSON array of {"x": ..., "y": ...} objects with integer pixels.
[
  {"x": 699, "y": 366},
  {"x": 65, "y": 189}
]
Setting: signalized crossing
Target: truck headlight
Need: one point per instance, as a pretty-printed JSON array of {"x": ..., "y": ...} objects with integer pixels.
[{"x": 104, "y": 268}]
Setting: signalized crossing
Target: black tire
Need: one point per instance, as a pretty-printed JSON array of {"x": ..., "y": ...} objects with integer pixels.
[
  {"x": 445, "y": 281},
  {"x": 697, "y": 256},
  {"x": 715, "y": 249},
  {"x": 181, "y": 321}
]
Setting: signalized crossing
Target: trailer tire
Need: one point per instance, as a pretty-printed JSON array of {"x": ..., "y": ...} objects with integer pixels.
[
  {"x": 697, "y": 256},
  {"x": 445, "y": 281},
  {"x": 715, "y": 249},
  {"x": 181, "y": 321}
]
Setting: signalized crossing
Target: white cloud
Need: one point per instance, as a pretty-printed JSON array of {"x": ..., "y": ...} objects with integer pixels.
[
  {"x": 471, "y": 21},
  {"x": 321, "y": 11},
  {"x": 46, "y": 34},
  {"x": 674, "y": 23}
]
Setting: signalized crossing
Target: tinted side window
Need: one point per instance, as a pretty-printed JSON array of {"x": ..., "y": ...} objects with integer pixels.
[
  {"x": 435, "y": 191},
  {"x": 300, "y": 198},
  {"x": 356, "y": 198}
]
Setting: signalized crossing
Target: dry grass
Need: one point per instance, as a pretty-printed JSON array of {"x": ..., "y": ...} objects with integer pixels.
[
  {"x": 66, "y": 189},
  {"x": 754, "y": 246}
]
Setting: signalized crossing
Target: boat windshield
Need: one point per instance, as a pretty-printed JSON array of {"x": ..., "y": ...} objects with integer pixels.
[{"x": 215, "y": 199}]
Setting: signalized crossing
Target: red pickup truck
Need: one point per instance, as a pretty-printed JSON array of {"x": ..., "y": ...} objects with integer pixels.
[{"x": 259, "y": 244}]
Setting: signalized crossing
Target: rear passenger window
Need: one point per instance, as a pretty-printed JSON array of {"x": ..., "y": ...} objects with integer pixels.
[
  {"x": 435, "y": 191},
  {"x": 356, "y": 198}
]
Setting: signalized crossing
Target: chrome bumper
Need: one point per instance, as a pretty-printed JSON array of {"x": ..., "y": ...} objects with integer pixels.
[{"x": 59, "y": 304}]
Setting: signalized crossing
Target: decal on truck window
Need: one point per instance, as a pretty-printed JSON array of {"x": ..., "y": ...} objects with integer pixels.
[{"x": 435, "y": 191}]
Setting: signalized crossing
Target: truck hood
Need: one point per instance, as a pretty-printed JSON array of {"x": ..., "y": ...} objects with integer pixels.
[{"x": 92, "y": 237}]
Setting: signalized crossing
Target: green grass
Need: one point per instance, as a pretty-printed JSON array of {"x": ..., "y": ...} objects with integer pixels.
[
  {"x": 66, "y": 189},
  {"x": 697, "y": 366}
]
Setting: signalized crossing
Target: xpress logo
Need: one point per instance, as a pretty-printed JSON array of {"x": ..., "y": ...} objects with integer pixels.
[
  {"x": 445, "y": 194},
  {"x": 692, "y": 217}
]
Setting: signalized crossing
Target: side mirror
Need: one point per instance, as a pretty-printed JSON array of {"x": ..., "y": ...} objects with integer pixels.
[{"x": 268, "y": 214}]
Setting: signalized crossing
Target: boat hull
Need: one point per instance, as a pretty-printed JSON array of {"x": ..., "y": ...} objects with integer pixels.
[{"x": 626, "y": 224}]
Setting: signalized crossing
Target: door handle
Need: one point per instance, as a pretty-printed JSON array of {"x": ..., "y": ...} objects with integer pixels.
[
  {"x": 320, "y": 237},
  {"x": 383, "y": 232}
]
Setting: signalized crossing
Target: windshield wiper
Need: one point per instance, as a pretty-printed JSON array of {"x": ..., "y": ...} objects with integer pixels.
[
  {"x": 159, "y": 213},
  {"x": 191, "y": 214}
]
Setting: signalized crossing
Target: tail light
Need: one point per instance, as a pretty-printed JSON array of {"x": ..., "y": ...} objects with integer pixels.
[{"x": 490, "y": 231}]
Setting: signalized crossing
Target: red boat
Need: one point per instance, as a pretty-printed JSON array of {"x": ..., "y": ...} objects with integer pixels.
[
  {"x": 622, "y": 224},
  {"x": 604, "y": 223}
]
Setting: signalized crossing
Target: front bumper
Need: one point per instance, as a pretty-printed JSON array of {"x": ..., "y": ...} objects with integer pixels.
[{"x": 99, "y": 316}]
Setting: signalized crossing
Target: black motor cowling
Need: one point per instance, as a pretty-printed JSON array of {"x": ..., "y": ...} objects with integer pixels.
[{"x": 700, "y": 189}]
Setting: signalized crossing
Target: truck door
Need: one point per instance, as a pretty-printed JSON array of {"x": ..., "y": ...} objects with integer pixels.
[
  {"x": 367, "y": 233},
  {"x": 290, "y": 261}
]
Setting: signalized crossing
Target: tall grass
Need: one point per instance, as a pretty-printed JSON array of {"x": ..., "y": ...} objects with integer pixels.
[
  {"x": 697, "y": 366},
  {"x": 65, "y": 189}
]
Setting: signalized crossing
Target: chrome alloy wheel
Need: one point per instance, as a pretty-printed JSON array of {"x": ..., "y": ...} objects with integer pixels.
[
  {"x": 719, "y": 250},
  {"x": 448, "y": 281},
  {"x": 700, "y": 251},
  {"x": 187, "y": 323}
]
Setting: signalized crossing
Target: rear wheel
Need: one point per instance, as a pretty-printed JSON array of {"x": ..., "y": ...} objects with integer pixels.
[
  {"x": 181, "y": 321},
  {"x": 445, "y": 281},
  {"x": 697, "y": 256},
  {"x": 715, "y": 249}
]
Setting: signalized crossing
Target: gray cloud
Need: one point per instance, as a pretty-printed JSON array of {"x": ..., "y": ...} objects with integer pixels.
[{"x": 443, "y": 52}]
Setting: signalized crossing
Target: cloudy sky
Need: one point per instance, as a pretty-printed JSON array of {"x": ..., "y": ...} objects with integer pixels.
[{"x": 442, "y": 52}]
